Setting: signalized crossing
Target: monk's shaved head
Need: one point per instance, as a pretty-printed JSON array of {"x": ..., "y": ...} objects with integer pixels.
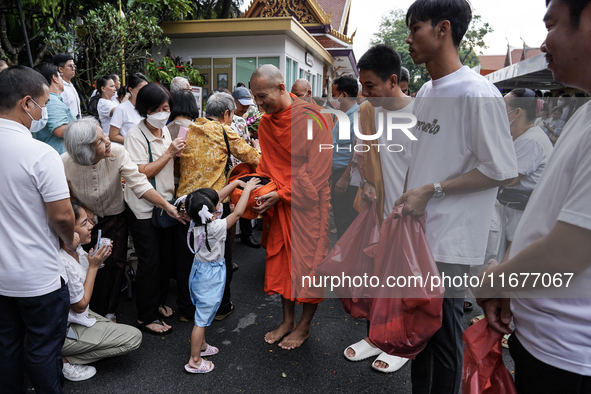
[
  {"x": 268, "y": 89},
  {"x": 268, "y": 73},
  {"x": 302, "y": 89},
  {"x": 300, "y": 84}
]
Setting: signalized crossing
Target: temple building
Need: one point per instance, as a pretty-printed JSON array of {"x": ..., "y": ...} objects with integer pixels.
[{"x": 303, "y": 38}]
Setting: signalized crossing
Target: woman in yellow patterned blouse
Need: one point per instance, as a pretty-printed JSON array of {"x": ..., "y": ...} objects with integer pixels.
[{"x": 203, "y": 164}]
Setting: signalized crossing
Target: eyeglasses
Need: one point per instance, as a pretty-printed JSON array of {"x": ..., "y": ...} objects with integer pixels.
[{"x": 72, "y": 66}]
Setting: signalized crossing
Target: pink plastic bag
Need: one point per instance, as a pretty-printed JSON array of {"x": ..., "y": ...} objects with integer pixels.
[
  {"x": 347, "y": 259},
  {"x": 404, "y": 317},
  {"x": 484, "y": 371}
]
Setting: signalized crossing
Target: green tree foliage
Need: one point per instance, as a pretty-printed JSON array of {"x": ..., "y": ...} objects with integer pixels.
[
  {"x": 216, "y": 9},
  {"x": 170, "y": 67},
  {"x": 104, "y": 39},
  {"x": 393, "y": 31}
]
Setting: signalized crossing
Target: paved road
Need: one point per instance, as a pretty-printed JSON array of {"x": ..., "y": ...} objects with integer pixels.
[{"x": 246, "y": 364}]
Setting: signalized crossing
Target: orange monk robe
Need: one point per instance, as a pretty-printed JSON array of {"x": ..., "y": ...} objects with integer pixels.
[{"x": 296, "y": 228}]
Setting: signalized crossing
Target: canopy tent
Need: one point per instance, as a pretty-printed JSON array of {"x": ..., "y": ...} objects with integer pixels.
[{"x": 531, "y": 73}]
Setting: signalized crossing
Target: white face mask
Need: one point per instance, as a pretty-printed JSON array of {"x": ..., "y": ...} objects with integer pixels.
[
  {"x": 159, "y": 119},
  {"x": 335, "y": 102},
  {"x": 37, "y": 125},
  {"x": 511, "y": 122}
]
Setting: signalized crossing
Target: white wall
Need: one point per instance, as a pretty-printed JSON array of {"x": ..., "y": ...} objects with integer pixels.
[{"x": 243, "y": 46}]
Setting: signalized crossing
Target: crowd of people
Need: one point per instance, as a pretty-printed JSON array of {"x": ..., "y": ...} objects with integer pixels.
[{"x": 497, "y": 178}]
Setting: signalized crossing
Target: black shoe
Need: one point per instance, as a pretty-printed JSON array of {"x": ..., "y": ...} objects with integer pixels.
[
  {"x": 222, "y": 316},
  {"x": 250, "y": 241},
  {"x": 234, "y": 267}
]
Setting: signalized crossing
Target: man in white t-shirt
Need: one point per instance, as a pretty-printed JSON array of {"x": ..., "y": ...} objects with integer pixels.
[
  {"x": 384, "y": 164},
  {"x": 35, "y": 211},
  {"x": 67, "y": 68},
  {"x": 464, "y": 151},
  {"x": 551, "y": 345}
]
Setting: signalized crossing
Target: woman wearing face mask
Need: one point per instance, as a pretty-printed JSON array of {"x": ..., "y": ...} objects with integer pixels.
[
  {"x": 564, "y": 102},
  {"x": 94, "y": 168},
  {"x": 151, "y": 148},
  {"x": 125, "y": 116}
]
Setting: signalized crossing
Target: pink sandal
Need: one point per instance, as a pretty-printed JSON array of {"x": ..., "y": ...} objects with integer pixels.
[
  {"x": 210, "y": 351},
  {"x": 205, "y": 367}
]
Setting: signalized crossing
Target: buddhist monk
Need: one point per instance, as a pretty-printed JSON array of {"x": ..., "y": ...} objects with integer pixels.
[
  {"x": 296, "y": 215},
  {"x": 302, "y": 89}
]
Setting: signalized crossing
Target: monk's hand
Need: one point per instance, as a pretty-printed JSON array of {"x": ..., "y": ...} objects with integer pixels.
[
  {"x": 341, "y": 185},
  {"x": 269, "y": 200},
  {"x": 415, "y": 200},
  {"x": 369, "y": 192},
  {"x": 255, "y": 144}
]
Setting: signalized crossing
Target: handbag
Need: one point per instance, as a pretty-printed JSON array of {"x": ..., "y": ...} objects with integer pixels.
[
  {"x": 160, "y": 218},
  {"x": 513, "y": 198}
]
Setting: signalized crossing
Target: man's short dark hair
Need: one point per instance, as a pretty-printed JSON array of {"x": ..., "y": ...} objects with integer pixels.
[
  {"x": 150, "y": 97},
  {"x": 48, "y": 70},
  {"x": 185, "y": 104},
  {"x": 575, "y": 9},
  {"x": 457, "y": 12},
  {"x": 61, "y": 59},
  {"x": 347, "y": 84},
  {"x": 17, "y": 82},
  {"x": 383, "y": 60}
]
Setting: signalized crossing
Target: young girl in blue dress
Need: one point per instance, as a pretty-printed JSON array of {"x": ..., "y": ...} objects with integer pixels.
[{"x": 208, "y": 274}]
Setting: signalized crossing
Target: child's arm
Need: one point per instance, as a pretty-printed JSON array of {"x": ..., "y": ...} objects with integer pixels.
[
  {"x": 225, "y": 192},
  {"x": 93, "y": 265},
  {"x": 241, "y": 206}
]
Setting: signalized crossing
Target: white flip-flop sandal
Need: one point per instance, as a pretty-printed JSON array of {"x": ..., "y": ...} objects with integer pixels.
[
  {"x": 362, "y": 351},
  {"x": 394, "y": 363}
]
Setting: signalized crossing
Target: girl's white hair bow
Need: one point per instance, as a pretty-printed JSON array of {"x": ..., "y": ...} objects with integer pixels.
[{"x": 204, "y": 214}]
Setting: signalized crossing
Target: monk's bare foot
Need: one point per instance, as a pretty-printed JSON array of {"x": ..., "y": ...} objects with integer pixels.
[
  {"x": 295, "y": 339},
  {"x": 278, "y": 333},
  {"x": 351, "y": 353}
]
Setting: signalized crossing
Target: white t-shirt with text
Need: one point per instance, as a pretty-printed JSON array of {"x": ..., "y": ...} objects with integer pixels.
[{"x": 462, "y": 125}]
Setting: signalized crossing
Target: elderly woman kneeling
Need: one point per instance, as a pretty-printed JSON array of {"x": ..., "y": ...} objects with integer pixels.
[{"x": 94, "y": 169}]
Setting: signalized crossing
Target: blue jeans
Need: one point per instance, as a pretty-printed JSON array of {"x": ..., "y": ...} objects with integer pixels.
[{"x": 43, "y": 320}]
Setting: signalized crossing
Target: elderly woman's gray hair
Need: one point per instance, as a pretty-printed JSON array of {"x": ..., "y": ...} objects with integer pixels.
[
  {"x": 78, "y": 140},
  {"x": 178, "y": 84},
  {"x": 218, "y": 104}
]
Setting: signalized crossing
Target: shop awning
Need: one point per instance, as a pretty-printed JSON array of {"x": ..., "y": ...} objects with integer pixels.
[{"x": 532, "y": 73}]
